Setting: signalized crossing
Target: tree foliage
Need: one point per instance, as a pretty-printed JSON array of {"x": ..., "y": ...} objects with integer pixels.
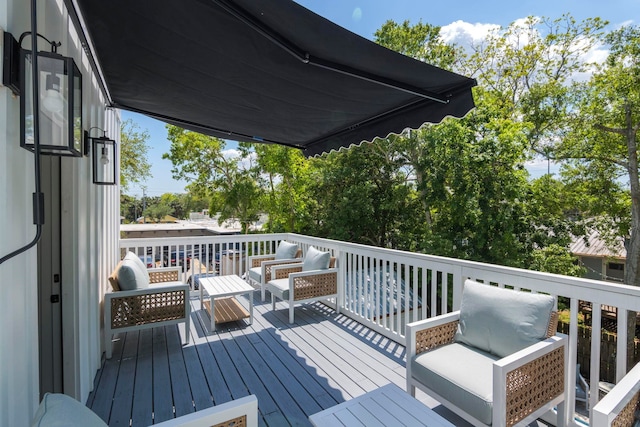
[
  {"x": 460, "y": 188},
  {"x": 213, "y": 173},
  {"x": 134, "y": 166}
]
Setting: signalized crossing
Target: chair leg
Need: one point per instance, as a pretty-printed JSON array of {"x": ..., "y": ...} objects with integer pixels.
[
  {"x": 262, "y": 291},
  {"x": 412, "y": 390},
  {"x": 273, "y": 302},
  {"x": 291, "y": 313},
  {"x": 108, "y": 344}
]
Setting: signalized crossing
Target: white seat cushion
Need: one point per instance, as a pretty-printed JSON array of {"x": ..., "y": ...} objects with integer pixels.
[
  {"x": 255, "y": 274},
  {"x": 279, "y": 288},
  {"x": 460, "y": 374}
]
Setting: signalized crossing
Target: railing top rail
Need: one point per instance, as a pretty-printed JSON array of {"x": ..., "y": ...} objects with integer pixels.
[{"x": 607, "y": 293}]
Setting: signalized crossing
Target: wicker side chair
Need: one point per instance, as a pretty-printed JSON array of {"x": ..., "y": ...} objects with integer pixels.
[
  {"x": 484, "y": 385},
  {"x": 57, "y": 409},
  {"x": 260, "y": 269},
  {"x": 294, "y": 285},
  {"x": 164, "y": 302},
  {"x": 621, "y": 406}
]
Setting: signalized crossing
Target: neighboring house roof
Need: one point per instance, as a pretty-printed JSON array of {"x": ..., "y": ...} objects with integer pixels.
[{"x": 594, "y": 246}]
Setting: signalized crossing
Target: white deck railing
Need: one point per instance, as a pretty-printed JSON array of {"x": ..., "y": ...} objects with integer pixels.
[{"x": 384, "y": 289}]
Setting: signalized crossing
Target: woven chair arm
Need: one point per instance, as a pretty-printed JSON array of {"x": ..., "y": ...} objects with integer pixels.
[
  {"x": 175, "y": 286},
  {"x": 428, "y": 334},
  {"x": 145, "y": 306},
  {"x": 311, "y": 284},
  {"x": 256, "y": 260},
  {"x": 530, "y": 378},
  {"x": 282, "y": 271},
  {"x": 620, "y": 405},
  {"x": 428, "y": 339},
  {"x": 267, "y": 266},
  {"x": 168, "y": 274}
]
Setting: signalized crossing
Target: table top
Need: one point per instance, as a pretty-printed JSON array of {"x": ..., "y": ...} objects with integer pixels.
[
  {"x": 219, "y": 286},
  {"x": 386, "y": 406}
]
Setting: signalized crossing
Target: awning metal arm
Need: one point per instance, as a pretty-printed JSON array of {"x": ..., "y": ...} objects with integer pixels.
[{"x": 306, "y": 58}]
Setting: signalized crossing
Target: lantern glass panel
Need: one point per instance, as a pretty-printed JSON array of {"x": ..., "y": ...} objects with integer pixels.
[
  {"x": 104, "y": 161},
  {"x": 60, "y": 99}
]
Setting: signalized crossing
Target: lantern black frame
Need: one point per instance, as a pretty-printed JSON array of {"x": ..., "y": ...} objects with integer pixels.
[
  {"x": 67, "y": 123},
  {"x": 103, "y": 148}
]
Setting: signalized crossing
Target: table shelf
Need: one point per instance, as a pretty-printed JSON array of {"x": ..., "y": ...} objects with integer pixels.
[{"x": 227, "y": 310}]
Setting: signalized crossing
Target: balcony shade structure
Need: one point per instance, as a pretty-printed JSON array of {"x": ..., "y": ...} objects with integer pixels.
[{"x": 262, "y": 71}]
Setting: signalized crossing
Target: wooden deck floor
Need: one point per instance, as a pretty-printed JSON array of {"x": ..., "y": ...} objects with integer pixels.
[{"x": 294, "y": 370}]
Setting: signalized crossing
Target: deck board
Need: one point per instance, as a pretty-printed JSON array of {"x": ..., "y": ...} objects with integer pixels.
[
  {"x": 123, "y": 397},
  {"x": 295, "y": 370},
  {"x": 162, "y": 394},
  {"x": 142, "y": 411},
  {"x": 180, "y": 386}
]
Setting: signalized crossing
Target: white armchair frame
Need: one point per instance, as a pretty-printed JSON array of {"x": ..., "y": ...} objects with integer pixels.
[
  {"x": 162, "y": 303},
  {"x": 620, "y": 405},
  {"x": 304, "y": 286},
  {"x": 529, "y": 366},
  {"x": 266, "y": 262},
  {"x": 239, "y": 412}
]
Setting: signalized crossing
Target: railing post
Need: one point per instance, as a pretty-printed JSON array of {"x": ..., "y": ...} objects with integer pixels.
[
  {"x": 342, "y": 275},
  {"x": 458, "y": 283}
]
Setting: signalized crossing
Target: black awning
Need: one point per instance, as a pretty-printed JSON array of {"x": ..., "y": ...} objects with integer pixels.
[{"x": 263, "y": 70}]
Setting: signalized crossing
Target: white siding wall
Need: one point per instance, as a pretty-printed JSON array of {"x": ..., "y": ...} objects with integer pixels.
[{"x": 89, "y": 228}]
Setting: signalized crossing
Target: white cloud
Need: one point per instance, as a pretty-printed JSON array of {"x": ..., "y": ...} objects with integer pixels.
[
  {"x": 466, "y": 34},
  {"x": 469, "y": 36},
  {"x": 245, "y": 162}
]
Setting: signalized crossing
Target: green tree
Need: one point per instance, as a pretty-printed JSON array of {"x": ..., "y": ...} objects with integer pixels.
[
  {"x": 364, "y": 196},
  {"x": 556, "y": 259},
  {"x": 202, "y": 162},
  {"x": 130, "y": 208},
  {"x": 286, "y": 175},
  {"x": 157, "y": 210},
  {"x": 134, "y": 166},
  {"x": 601, "y": 143}
]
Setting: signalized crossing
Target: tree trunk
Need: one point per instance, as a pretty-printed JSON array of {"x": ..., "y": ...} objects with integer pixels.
[
  {"x": 420, "y": 179},
  {"x": 632, "y": 264}
]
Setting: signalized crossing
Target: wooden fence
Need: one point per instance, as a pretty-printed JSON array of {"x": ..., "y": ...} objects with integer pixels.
[{"x": 607, "y": 353}]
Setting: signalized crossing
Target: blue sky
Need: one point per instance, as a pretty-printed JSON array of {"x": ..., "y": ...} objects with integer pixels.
[{"x": 460, "y": 18}]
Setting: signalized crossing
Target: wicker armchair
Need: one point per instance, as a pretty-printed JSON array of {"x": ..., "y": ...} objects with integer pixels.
[
  {"x": 621, "y": 406},
  {"x": 260, "y": 269},
  {"x": 57, "y": 409},
  {"x": 164, "y": 302},
  {"x": 293, "y": 285},
  {"x": 481, "y": 386}
]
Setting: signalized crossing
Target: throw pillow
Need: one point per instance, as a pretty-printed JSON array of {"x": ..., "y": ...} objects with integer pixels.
[
  {"x": 286, "y": 250},
  {"x": 316, "y": 260},
  {"x": 131, "y": 276}
]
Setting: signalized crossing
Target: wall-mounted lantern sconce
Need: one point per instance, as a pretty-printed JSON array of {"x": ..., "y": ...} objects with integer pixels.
[
  {"x": 104, "y": 158},
  {"x": 60, "y": 97}
]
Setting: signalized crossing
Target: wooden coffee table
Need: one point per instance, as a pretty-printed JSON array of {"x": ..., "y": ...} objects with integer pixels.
[
  {"x": 222, "y": 305},
  {"x": 386, "y": 406}
]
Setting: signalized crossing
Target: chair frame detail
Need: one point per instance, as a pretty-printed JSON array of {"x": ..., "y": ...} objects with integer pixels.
[
  {"x": 305, "y": 286},
  {"x": 619, "y": 407},
  {"x": 266, "y": 262},
  {"x": 526, "y": 384},
  {"x": 162, "y": 303}
]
